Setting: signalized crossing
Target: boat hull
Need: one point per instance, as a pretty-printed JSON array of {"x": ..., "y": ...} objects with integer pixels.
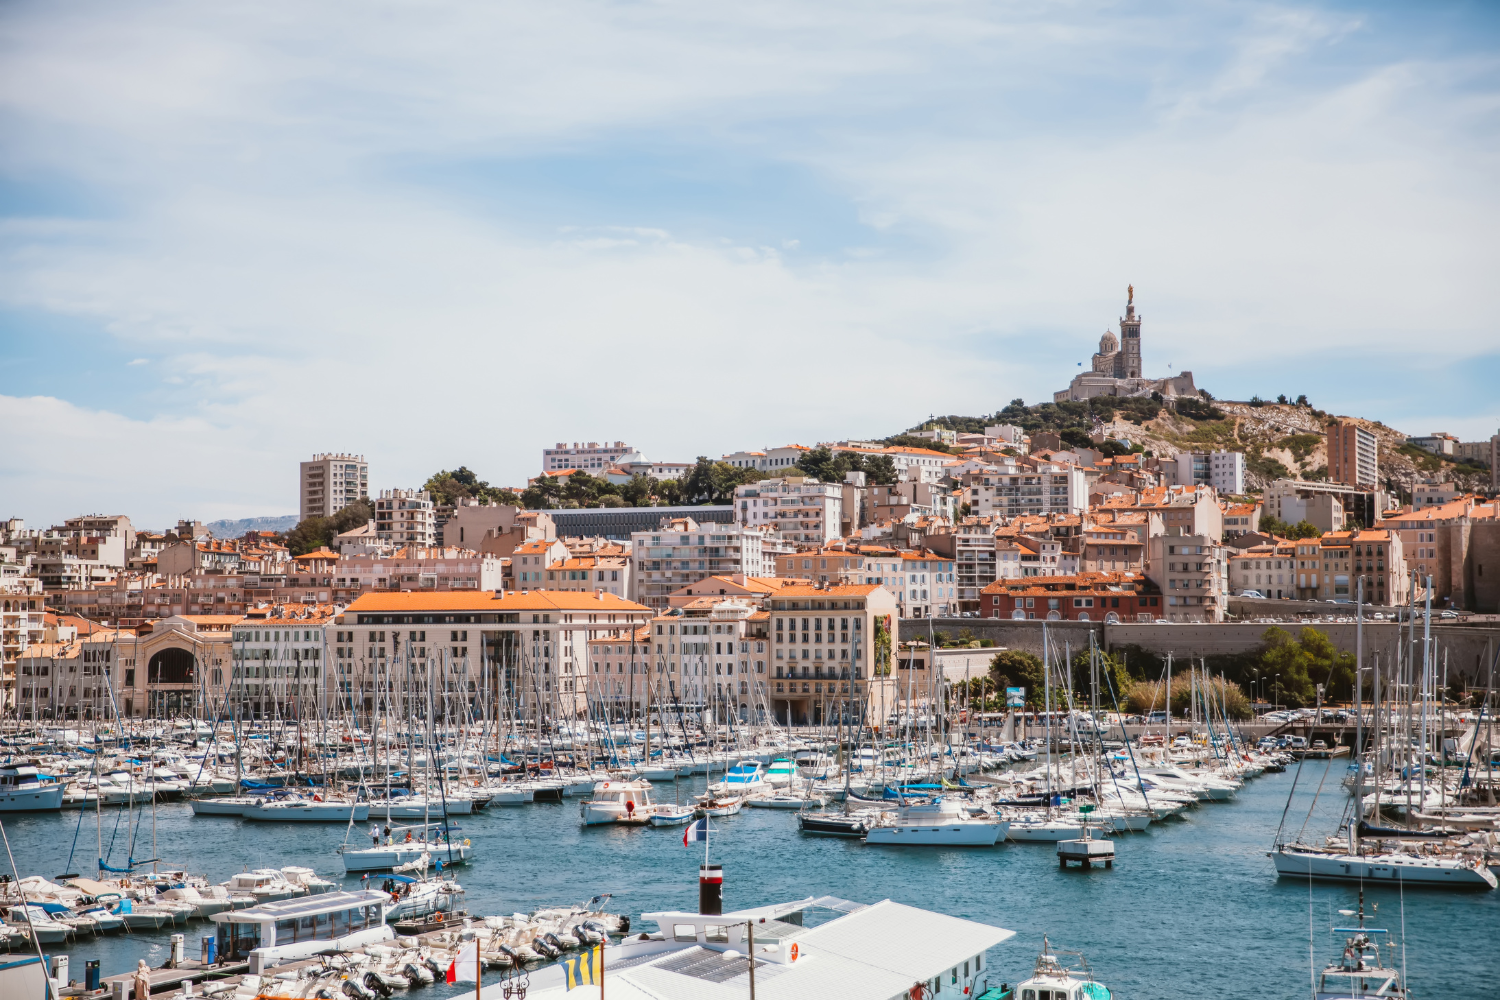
[
  {"x": 937, "y": 835},
  {"x": 1406, "y": 870},
  {"x": 47, "y": 798},
  {"x": 309, "y": 812}
]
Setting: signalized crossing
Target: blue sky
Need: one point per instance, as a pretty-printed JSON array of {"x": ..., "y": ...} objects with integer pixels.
[{"x": 437, "y": 234}]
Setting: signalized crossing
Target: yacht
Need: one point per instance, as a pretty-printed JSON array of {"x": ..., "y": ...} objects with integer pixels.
[
  {"x": 41, "y": 923},
  {"x": 781, "y": 772},
  {"x": 266, "y": 885},
  {"x": 943, "y": 822},
  {"x": 419, "y": 899},
  {"x": 25, "y": 789},
  {"x": 624, "y": 802},
  {"x": 837, "y": 824},
  {"x": 744, "y": 778}
]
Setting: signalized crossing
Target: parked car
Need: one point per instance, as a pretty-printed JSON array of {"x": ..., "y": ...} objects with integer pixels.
[{"x": 1254, "y": 595}]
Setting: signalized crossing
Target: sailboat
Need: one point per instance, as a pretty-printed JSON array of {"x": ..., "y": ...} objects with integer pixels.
[{"x": 1359, "y": 972}]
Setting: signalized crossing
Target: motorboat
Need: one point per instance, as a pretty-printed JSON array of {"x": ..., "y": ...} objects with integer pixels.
[
  {"x": 744, "y": 778},
  {"x": 1359, "y": 972},
  {"x": 25, "y": 789},
  {"x": 205, "y": 901},
  {"x": 785, "y": 801},
  {"x": 667, "y": 814},
  {"x": 266, "y": 885},
  {"x": 420, "y": 899},
  {"x": 47, "y": 929},
  {"x": 307, "y": 881},
  {"x": 313, "y": 810},
  {"x": 942, "y": 822},
  {"x": 290, "y": 929},
  {"x": 781, "y": 772},
  {"x": 712, "y": 805},
  {"x": 622, "y": 802},
  {"x": 837, "y": 824}
]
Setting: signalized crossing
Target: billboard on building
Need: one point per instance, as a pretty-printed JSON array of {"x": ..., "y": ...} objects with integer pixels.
[{"x": 1015, "y": 697}]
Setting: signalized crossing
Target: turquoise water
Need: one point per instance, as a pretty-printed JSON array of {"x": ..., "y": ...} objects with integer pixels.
[{"x": 1191, "y": 909}]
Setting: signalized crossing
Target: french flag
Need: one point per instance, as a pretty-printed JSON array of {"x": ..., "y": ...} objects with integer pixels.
[{"x": 696, "y": 832}]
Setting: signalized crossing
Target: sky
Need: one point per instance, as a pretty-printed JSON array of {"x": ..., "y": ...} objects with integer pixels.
[{"x": 442, "y": 234}]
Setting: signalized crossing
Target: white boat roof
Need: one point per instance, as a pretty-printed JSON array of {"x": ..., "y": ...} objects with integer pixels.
[
  {"x": 303, "y": 906},
  {"x": 868, "y": 951}
]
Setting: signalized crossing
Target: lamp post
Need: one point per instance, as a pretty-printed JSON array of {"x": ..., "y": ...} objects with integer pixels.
[{"x": 1277, "y": 696}]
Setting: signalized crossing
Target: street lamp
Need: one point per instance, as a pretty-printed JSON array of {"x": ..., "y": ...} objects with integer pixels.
[{"x": 1278, "y": 692}]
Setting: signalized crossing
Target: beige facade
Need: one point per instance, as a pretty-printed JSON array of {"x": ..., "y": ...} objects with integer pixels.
[
  {"x": 331, "y": 482},
  {"x": 680, "y": 551},
  {"x": 828, "y": 643},
  {"x": 406, "y": 517},
  {"x": 1192, "y": 573}
]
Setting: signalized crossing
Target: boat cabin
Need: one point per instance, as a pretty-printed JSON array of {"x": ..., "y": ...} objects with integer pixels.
[{"x": 296, "y": 928}]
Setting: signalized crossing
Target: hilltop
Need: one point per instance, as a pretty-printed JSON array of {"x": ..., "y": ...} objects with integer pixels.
[{"x": 1280, "y": 440}]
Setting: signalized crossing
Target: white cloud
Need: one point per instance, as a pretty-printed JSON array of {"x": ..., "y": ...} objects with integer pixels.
[{"x": 274, "y": 219}]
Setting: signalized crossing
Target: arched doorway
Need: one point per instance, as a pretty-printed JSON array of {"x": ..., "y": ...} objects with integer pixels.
[{"x": 170, "y": 674}]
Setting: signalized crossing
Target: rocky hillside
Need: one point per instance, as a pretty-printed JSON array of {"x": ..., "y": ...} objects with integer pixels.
[{"x": 1285, "y": 440}]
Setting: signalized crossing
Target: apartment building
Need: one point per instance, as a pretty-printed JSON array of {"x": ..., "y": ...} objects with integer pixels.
[
  {"x": 1084, "y": 597},
  {"x": 331, "y": 482},
  {"x": 279, "y": 663},
  {"x": 1223, "y": 470},
  {"x": 66, "y": 676},
  {"x": 1114, "y": 547},
  {"x": 1193, "y": 510},
  {"x": 680, "y": 551},
  {"x": 1353, "y": 454},
  {"x": 828, "y": 643},
  {"x": 529, "y": 562},
  {"x": 709, "y": 656},
  {"x": 921, "y": 465},
  {"x": 1192, "y": 574},
  {"x": 1330, "y": 568},
  {"x": 528, "y": 651},
  {"x": 1438, "y": 442},
  {"x": 1035, "y": 488},
  {"x": 406, "y": 517},
  {"x": 803, "y": 510},
  {"x": 771, "y": 460},
  {"x": 1457, "y": 545},
  {"x": 590, "y": 456},
  {"x": 1269, "y": 569},
  {"x": 980, "y": 557},
  {"x": 1241, "y": 519}
]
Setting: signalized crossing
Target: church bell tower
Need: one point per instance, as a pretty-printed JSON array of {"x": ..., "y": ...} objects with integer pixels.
[{"x": 1129, "y": 364}]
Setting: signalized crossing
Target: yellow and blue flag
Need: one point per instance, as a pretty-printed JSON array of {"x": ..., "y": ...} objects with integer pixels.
[{"x": 587, "y": 969}]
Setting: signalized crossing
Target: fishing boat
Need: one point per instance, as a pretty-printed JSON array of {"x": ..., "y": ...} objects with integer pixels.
[
  {"x": 1359, "y": 971},
  {"x": 627, "y": 803},
  {"x": 1051, "y": 979},
  {"x": 712, "y": 805}
]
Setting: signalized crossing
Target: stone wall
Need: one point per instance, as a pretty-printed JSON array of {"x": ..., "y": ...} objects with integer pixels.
[{"x": 1466, "y": 649}]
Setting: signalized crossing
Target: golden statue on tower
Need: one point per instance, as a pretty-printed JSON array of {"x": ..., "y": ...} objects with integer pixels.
[{"x": 1130, "y": 292}]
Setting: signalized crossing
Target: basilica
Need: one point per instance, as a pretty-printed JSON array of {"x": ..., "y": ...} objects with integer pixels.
[{"x": 1116, "y": 369}]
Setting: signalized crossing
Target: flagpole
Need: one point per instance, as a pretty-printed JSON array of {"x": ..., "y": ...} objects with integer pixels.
[
  {"x": 601, "y": 966},
  {"x": 477, "y": 966}
]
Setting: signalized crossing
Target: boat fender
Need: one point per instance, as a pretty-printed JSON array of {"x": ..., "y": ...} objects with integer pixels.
[{"x": 629, "y": 807}]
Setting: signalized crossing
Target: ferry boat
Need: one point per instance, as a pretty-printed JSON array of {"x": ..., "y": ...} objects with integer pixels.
[
  {"x": 624, "y": 802},
  {"x": 299, "y": 928},
  {"x": 25, "y": 789}
]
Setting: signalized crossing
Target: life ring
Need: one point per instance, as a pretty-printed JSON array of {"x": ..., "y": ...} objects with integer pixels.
[
  {"x": 466, "y": 841},
  {"x": 439, "y": 918},
  {"x": 794, "y": 951}
]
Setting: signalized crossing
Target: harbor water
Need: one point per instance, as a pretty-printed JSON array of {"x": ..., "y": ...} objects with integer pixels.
[{"x": 1192, "y": 907}]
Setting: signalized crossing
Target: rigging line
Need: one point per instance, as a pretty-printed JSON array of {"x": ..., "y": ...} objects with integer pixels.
[{"x": 1314, "y": 800}]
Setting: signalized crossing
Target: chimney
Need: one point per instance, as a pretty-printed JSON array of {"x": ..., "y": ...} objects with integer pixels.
[{"x": 711, "y": 889}]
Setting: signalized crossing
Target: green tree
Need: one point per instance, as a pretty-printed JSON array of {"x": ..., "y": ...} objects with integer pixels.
[
  {"x": 462, "y": 483},
  {"x": 1015, "y": 668},
  {"x": 1111, "y": 665},
  {"x": 880, "y": 470},
  {"x": 312, "y": 533}
]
